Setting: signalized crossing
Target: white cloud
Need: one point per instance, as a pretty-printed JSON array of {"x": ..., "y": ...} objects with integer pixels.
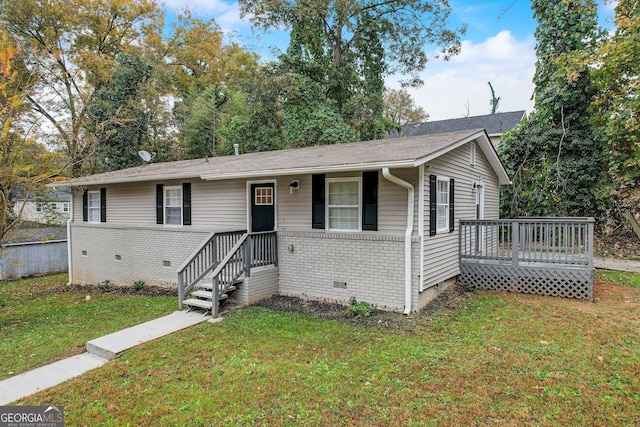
[
  {"x": 460, "y": 87},
  {"x": 226, "y": 15}
]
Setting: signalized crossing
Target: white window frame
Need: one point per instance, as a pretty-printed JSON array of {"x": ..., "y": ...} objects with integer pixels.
[
  {"x": 53, "y": 206},
  {"x": 442, "y": 207},
  {"x": 38, "y": 207},
  {"x": 66, "y": 207},
  {"x": 92, "y": 210},
  {"x": 165, "y": 206},
  {"x": 329, "y": 206}
]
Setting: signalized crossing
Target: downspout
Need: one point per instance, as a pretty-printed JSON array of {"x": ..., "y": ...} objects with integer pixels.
[
  {"x": 69, "y": 241},
  {"x": 407, "y": 236}
]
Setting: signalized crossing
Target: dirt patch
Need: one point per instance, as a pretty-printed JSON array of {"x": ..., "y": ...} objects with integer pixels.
[
  {"x": 146, "y": 290},
  {"x": 451, "y": 298}
]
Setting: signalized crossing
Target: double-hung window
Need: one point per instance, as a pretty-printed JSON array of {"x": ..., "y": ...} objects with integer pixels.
[
  {"x": 93, "y": 206},
  {"x": 66, "y": 207},
  {"x": 343, "y": 207},
  {"x": 442, "y": 200},
  {"x": 38, "y": 207},
  {"x": 173, "y": 205},
  {"x": 441, "y": 204}
]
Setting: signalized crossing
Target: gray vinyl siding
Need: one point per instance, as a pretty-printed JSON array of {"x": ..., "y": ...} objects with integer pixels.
[
  {"x": 441, "y": 260},
  {"x": 216, "y": 205},
  {"x": 294, "y": 208}
]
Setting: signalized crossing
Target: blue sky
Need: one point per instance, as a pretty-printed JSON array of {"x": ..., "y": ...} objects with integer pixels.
[{"x": 498, "y": 48}]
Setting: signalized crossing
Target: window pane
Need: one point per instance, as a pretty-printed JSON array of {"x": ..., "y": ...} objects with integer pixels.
[
  {"x": 442, "y": 217},
  {"x": 343, "y": 218},
  {"x": 173, "y": 206},
  {"x": 343, "y": 193},
  {"x": 443, "y": 192},
  {"x": 174, "y": 216},
  {"x": 94, "y": 199}
]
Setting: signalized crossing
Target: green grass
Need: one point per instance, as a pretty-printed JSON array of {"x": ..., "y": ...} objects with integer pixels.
[
  {"x": 621, "y": 278},
  {"x": 41, "y": 321},
  {"x": 496, "y": 359}
]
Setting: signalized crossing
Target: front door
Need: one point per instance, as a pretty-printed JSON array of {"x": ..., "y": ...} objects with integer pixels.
[{"x": 262, "y": 207}]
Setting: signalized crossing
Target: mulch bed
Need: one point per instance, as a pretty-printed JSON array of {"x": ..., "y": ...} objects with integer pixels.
[{"x": 451, "y": 298}]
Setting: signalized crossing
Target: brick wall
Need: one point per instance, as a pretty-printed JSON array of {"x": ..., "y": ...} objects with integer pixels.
[
  {"x": 371, "y": 266},
  {"x": 263, "y": 283},
  {"x": 123, "y": 254}
]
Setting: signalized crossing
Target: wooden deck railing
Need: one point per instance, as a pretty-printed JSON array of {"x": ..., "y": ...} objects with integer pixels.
[
  {"x": 546, "y": 256},
  {"x": 243, "y": 250},
  {"x": 528, "y": 240}
]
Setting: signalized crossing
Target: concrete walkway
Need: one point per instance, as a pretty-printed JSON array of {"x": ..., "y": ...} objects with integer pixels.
[
  {"x": 617, "y": 264},
  {"x": 99, "y": 352}
]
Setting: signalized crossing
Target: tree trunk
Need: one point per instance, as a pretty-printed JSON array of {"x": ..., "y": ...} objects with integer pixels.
[{"x": 632, "y": 222}]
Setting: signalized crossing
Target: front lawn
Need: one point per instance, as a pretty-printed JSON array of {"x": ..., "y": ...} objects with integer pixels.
[
  {"x": 42, "y": 320},
  {"x": 493, "y": 359}
]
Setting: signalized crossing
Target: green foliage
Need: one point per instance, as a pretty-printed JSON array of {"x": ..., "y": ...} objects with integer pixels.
[
  {"x": 105, "y": 286},
  {"x": 201, "y": 120},
  {"x": 552, "y": 170},
  {"x": 555, "y": 158},
  {"x": 361, "y": 308},
  {"x": 138, "y": 285},
  {"x": 118, "y": 120},
  {"x": 285, "y": 110},
  {"x": 348, "y": 49},
  {"x": 617, "y": 104}
]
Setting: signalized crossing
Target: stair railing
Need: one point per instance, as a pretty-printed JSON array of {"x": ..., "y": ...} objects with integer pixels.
[{"x": 204, "y": 259}]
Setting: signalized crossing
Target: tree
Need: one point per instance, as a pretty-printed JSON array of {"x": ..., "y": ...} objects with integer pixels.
[
  {"x": 348, "y": 47},
  {"x": 24, "y": 164},
  {"x": 284, "y": 110},
  {"x": 400, "y": 108},
  {"x": 118, "y": 120},
  {"x": 555, "y": 158},
  {"x": 617, "y": 105},
  {"x": 495, "y": 101},
  {"x": 71, "y": 46}
]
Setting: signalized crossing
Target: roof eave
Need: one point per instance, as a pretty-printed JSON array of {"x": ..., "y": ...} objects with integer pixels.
[{"x": 309, "y": 170}]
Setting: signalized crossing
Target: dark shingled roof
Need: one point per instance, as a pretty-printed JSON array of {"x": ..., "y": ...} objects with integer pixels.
[{"x": 495, "y": 124}]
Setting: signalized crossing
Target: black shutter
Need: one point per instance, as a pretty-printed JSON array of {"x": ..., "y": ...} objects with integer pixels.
[
  {"x": 317, "y": 201},
  {"x": 159, "y": 204},
  {"x": 186, "y": 203},
  {"x": 452, "y": 222},
  {"x": 370, "y": 201},
  {"x": 85, "y": 206},
  {"x": 433, "y": 205},
  {"x": 103, "y": 205}
]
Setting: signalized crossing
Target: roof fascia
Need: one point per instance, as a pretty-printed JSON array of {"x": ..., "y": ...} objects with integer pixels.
[
  {"x": 309, "y": 170},
  {"x": 122, "y": 180}
]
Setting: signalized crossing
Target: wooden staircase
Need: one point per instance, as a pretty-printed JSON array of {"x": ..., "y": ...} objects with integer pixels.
[
  {"x": 202, "y": 296},
  {"x": 219, "y": 266}
]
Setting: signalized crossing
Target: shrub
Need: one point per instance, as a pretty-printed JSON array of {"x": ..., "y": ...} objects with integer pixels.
[
  {"x": 138, "y": 285},
  {"x": 361, "y": 308}
]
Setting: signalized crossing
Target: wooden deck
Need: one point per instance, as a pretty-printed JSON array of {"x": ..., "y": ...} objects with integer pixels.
[{"x": 545, "y": 256}]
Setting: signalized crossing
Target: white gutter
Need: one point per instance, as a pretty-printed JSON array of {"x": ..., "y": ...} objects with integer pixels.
[
  {"x": 407, "y": 236},
  {"x": 69, "y": 241}
]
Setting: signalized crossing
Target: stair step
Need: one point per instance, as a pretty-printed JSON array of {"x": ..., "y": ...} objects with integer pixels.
[
  {"x": 200, "y": 303},
  {"x": 209, "y": 286},
  {"x": 207, "y": 295}
]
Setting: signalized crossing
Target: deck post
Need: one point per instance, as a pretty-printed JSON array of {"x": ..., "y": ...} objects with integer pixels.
[
  {"x": 216, "y": 297},
  {"x": 515, "y": 242},
  {"x": 248, "y": 245},
  {"x": 180, "y": 291}
]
